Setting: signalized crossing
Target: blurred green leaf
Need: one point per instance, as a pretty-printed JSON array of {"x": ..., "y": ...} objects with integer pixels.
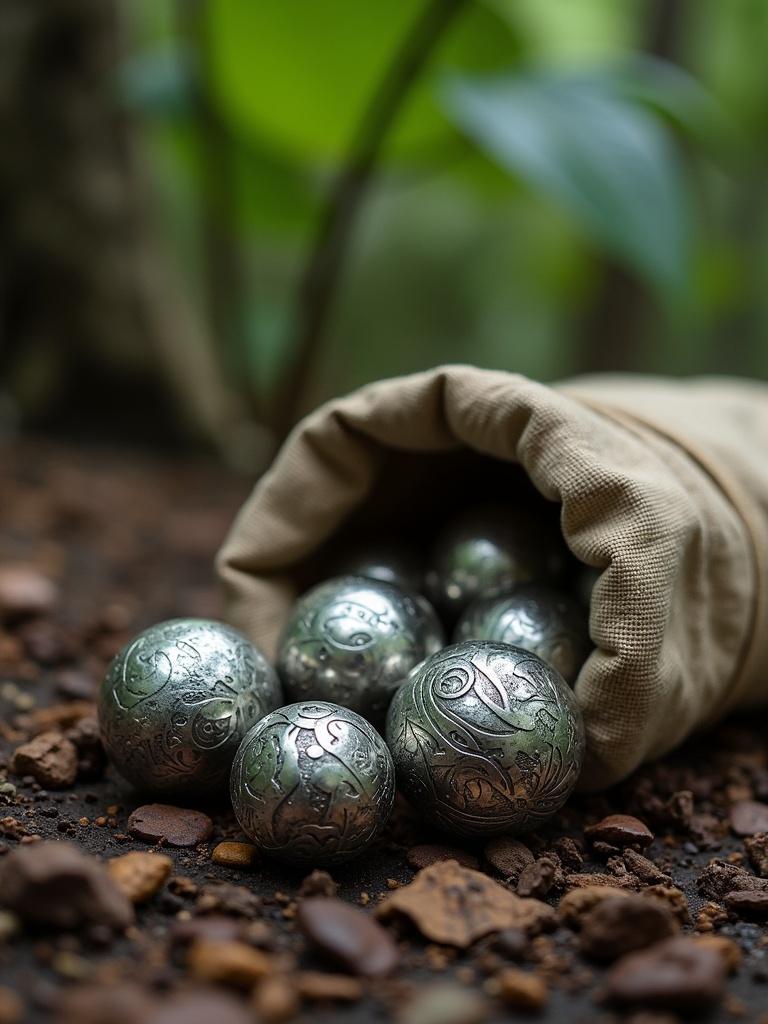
[
  {"x": 605, "y": 159},
  {"x": 300, "y": 75}
]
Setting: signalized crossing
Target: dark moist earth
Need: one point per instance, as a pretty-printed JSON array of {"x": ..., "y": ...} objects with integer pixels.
[{"x": 582, "y": 922}]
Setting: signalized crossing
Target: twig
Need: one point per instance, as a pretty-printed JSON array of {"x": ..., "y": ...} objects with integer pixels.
[{"x": 325, "y": 262}]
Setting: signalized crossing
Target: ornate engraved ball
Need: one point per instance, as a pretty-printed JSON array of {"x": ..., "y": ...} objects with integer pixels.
[
  {"x": 486, "y": 739},
  {"x": 353, "y": 641},
  {"x": 313, "y": 784},
  {"x": 536, "y": 618},
  {"x": 176, "y": 702},
  {"x": 487, "y": 552},
  {"x": 386, "y": 561}
]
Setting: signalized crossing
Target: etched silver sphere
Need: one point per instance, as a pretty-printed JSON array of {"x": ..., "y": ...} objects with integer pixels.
[
  {"x": 176, "y": 702},
  {"x": 537, "y": 618},
  {"x": 487, "y": 552},
  {"x": 313, "y": 784},
  {"x": 353, "y": 641},
  {"x": 383, "y": 560},
  {"x": 486, "y": 739}
]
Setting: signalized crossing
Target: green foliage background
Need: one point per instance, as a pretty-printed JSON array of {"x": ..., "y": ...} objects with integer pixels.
[{"x": 571, "y": 185}]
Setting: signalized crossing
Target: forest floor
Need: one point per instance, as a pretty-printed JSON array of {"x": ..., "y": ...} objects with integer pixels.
[{"x": 128, "y": 539}]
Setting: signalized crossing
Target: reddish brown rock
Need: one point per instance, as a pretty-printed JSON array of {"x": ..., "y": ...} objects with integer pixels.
[
  {"x": 316, "y": 986},
  {"x": 749, "y": 817},
  {"x": 228, "y": 963},
  {"x": 235, "y": 855},
  {"x": 54, "y": 884},
  {"x": 456, "y": 906},
  {"x": 757, "y": 851},
  {"x": 164, "y": 823},
  {"x": 223, "y": 898},
  {"x": 318, "y": 883},
  {"x": 507, "y": 857},
  {"x": 577, "y": 903},
  {"x": 91, "y": 756},
  {"x": 752, "y": 904},
  {"x": 720, "y": 877},
  {"x": 624, "y": 924},
  {"x": 620, "y": 830},
  {"x": 426, "y": 854},
  {"x": 538, "y": 878},
  {"x": 520, "y": 989},
  {"x": 50, "y": 758},
  {"x": 348, "y": 936},
  {"x": 677, "y": 974},
  {"x": 139, "y": 875}
]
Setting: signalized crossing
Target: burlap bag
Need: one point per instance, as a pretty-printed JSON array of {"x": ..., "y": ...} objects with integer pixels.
[{"x": 663, "y": 484}]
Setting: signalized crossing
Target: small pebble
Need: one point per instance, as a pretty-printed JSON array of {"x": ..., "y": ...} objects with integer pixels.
[
  {"x": 508, "y": 857},
  {"x": 348, "y": 936},
  {"x": 228, "y": 963},
  {"x": 620, "y": 830},
  {"x": 139, "y": 875},
  {"x": 235, "y": 855},
  {"x": 24, "y": 590},
  {"x": 520, "y": 989},
  {"x": 50, "y": 758},
  {"x": 676, "y": 974},
  {"x": 176, "y": 826}
]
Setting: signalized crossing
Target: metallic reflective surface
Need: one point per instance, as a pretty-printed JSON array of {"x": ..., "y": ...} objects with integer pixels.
[
  {"x": 313, "y": 783},
  {"x": 536, "y": 618},
  {"x": 177, "y": 701},
  {"x": 385, "y": 561},
  {"x": 486, "y": 739},
  {"x": 487, "y": 552},
  {"x": 353, "y": 640}
]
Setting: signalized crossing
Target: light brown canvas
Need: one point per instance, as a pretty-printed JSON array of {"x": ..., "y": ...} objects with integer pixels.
[{"x": 663, "y": 485}]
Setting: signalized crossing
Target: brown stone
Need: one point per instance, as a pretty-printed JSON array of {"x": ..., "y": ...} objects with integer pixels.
[
  {"x": 520, "y": 989},
  {"x": 235, "y": 855},
  {"x": 444, "y": 1003},
  {"x": 749, "y": 817},
  {"x": 55, "y": 884},
  {"x": 275, "y": 999},
  {"x": 456, "y": 906},
  {"x": 202, "y": 1006},
  {"x": 588, "y": 881},
  {"x": 624, "y": 924},
  {"x": 507, "y": 857},
  {"x": 228, "y": 963},
  {"x": 620, "y": 830},
  {"x": 752, "y": 904},
  {"x": 426, "y": 854},
  {"x": 24, "y": 590},
  {"x": 674, "y": 898},
  {"x": 316, "y": 986},
  {"x": 676, "y": 974},
  {"x": 50, "y": 758},
  {"x": 318, "y": 883},
  {"x": 224, "y": 898},
  {"x": 757, "y": 851},
  {"x": 643, "y": 868},
  {"x": 726, "y": 948},
  {"x": 11, "y": 1006},
  {"x": 538, "y": 878},
  {"x": 176, "y": 826},
  {"x": 720, "y": 877},
  {"x": 578, "y": 902},
  {"x": 348, "y": 936},
  {"x": 91, "y": 755},
  {"x": 139, "y": 875}
]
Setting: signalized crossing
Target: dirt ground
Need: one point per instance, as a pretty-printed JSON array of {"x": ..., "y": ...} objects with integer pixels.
[{"x": 129, "y": 539}]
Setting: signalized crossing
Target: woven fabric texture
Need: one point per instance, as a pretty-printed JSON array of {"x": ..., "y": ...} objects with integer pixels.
[{"x": 663, "y": 485}]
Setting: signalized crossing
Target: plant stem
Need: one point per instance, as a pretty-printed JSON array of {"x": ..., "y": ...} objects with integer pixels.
[{"x": 322, "y": 271}]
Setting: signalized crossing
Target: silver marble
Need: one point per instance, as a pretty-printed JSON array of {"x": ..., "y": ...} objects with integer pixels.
[
  {"x": 386, "y": 561},
  {"x": 487, "y": 552},
  {"x": 486, "y": 739},
  {"x": 176, "y": 702},
  {"x": 537, "y": 618},
  {"x": 353, "y": 641},
  {"x": 313, "y": 784}
]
